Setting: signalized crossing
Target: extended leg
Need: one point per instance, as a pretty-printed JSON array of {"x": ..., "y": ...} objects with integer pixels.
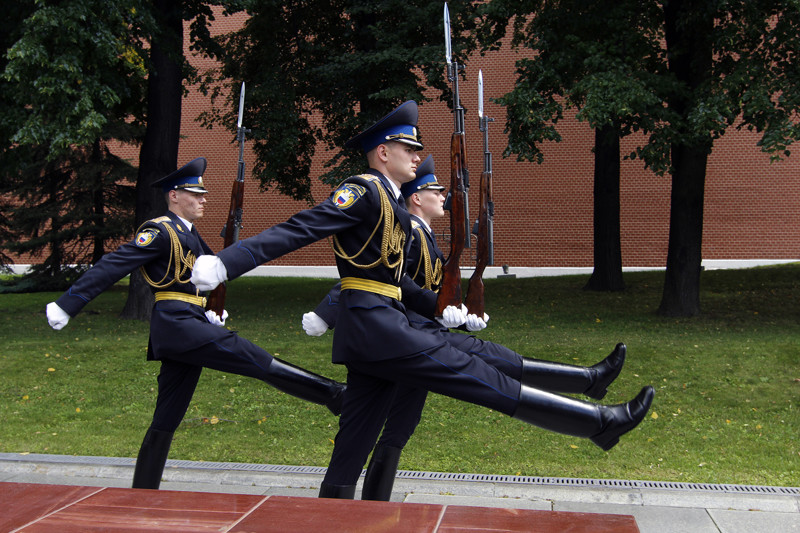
[
  {"x": 602, "y": 424},
  {"x": 305, "y": 385},
  {"x": 592, "y": 381}
]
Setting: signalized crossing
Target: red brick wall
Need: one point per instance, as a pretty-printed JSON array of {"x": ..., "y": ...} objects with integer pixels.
[{"x": 543, "y": 213}]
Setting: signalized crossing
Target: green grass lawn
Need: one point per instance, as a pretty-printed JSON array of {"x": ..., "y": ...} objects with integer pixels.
[{"x": 727, "y": 382}]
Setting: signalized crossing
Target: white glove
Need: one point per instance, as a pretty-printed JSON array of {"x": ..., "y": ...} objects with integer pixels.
[
  {"x": 215, "y": 319},
  {"x": 314, "y": 325},
  {"x": 453, "y": 316},
  {"x": 475, "y": 323},
  {"x": 208, "y": 272},
  {"x": 56, "y": 317}
]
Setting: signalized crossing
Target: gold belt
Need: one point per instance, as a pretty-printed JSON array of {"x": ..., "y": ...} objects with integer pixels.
[
  {"x": 182, "y": 296},
  {"x": 372, "y": 286}
]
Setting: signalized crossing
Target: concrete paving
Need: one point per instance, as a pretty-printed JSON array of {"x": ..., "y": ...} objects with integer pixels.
[{"x": 657, "y": 507}]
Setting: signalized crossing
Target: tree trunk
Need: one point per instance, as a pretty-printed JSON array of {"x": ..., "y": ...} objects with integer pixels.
[
  {"x": 681, "y": 296},
  {"x": 159, "y": 154},
  {"x": 607, "y": 273},
  {"x": 689, "y": 50}
]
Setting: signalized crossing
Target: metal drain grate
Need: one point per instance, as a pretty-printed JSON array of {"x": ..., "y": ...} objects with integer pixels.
[
  {"x": 600, "y": 483},
  {"x": 409, "y": 474}
]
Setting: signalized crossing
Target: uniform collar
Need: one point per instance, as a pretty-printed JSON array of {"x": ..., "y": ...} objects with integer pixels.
[
  {"x": 186, "y": 223},
  {"x": 422, "y": 223},
  {"x": 388, "y": 183}
]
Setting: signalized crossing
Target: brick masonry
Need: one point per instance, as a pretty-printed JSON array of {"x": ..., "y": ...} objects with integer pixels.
[{"x": 543, "y": 214}]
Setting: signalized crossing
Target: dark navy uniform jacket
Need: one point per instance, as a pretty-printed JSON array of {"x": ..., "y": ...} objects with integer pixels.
[
  {"x": 423, "y": 253},
  {"x": 175, "y": 326},
  {"x": 416, "y": 260},
  {"x": 370, "y": 326}
]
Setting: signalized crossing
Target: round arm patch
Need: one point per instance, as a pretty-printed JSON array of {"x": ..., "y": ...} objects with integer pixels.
[
  {"x": 347, "y": 195},
  {"x": 146, "y": 236}
]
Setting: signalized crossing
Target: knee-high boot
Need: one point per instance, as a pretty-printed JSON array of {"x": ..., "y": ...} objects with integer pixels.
[
  {"x": 151, "y": 460},
  {"x": 602, "y": 424},
  {"x": 342, "y": 492},
  {"x": 306, "y": 385},
  {"x": 379, "y": 479},
  {"x": 593, "y": 381}
]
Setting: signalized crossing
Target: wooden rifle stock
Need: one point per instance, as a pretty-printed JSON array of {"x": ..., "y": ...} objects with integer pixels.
[
  {"x": 216, "y": 300},
  {"x": 474, "y": 300},
  {"x": 450, "y": 292}
]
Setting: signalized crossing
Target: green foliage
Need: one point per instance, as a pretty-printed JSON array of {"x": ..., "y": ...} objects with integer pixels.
[
  {"x": 347, "y": 62},
  {"x": 607, "y": 59},
  {"x": 75, "y": 68},
  {"x": 725, "y": 411}
]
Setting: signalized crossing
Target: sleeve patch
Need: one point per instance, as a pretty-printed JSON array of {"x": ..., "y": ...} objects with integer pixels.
[
  {"x": 145, "y": 237},
  {"x": 347, "y": 195}
]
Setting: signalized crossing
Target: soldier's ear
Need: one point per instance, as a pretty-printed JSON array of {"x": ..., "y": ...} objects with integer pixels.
[{"x": 382, "y": 152}]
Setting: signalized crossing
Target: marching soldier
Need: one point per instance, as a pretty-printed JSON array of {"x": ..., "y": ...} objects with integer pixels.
[
  {"x": 184, "y": 337},
  {"x": 374, "y": 338},
  {"x": 425, "y": 202}
]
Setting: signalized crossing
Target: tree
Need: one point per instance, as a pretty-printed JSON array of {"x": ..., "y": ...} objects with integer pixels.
[
  {"x": 723, "y": 63},
  {"x": 731, "y": 63},
  {"x": 84, "y": 72},
  {"x": 584, "y": 57},
  {"x": 67, "y": 92},
  {"x": 344, "y": 63}
]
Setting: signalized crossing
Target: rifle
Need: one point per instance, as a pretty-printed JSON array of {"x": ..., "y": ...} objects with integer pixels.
[
  {"x": 457, "y": 198},
  {"x": 230, "y": 231},
  {"x": 484, "y": 226}
]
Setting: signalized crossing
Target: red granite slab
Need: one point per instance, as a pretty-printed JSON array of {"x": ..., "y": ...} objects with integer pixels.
[
  {"x": 32, "y": 508},
  {"x": 286, "y": 514},
  {"x": 132, "y": 510},
  {"x": 22, "y": 503},
  {"x": 466, "y": 519}
]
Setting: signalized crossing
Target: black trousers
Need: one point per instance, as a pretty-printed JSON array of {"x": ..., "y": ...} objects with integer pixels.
[{"x": 373, "y": 388}]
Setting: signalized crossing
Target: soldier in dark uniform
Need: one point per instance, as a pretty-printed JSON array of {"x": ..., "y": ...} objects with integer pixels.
[
  {"x": 374, "y": 337},
  {"x": 184, "y": 337},
  {"x": 424, "y": 201}
]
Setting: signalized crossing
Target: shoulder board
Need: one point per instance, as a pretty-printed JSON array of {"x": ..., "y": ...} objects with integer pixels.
[
  {"x": 415, "y": 224},
  {"x": 159, "y": 220}
]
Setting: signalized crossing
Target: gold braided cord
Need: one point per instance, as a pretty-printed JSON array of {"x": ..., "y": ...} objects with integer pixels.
[
  {"x": 433, "y": 273},
  {"x": 437, "y": 274},
  {"x": 392, "y": 241},
  {"x": 183, "y": 264},
  {"x": 425, "y": 256}
]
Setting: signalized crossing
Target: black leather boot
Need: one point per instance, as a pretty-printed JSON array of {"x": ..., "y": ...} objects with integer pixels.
[
  {"x": 602, "y": 424},
  {"x": 342, "y": 492},
  {"x": 151, "y": 460},
  {"x": 593, "y": 381},
  {"x": 306, "y": 385},
  {"x": 379, "y": 480}
]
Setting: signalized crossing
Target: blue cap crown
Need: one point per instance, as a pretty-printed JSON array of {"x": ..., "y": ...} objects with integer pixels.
[
  {"x": 425, "y": 180},
  {"x": 400, "y": 125},
  {"x": 187, "y": 178}
]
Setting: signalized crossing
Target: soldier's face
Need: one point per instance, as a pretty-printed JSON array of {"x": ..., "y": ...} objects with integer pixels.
[
  {"x": 188, "y": 205},
  {"x": 431, "y": 202},
  {"x": 401, "y": 161}
]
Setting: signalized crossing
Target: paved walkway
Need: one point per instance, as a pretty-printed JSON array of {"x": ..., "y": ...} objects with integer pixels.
[{"x": 657, "y": 507}]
